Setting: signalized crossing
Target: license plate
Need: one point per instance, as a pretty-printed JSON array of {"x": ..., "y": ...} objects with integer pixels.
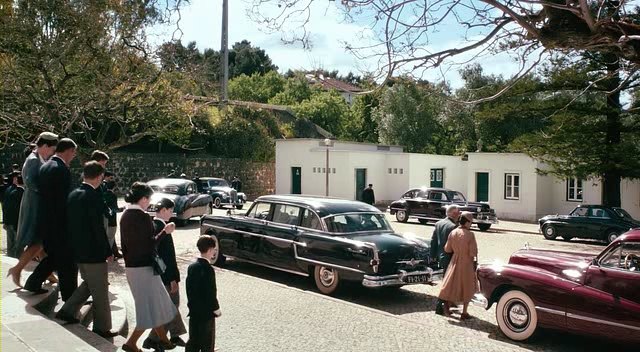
[{"x": 416, "y": 279}]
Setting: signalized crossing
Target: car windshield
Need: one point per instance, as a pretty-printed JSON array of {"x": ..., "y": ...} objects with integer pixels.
[
  {"x": 356, "y": 222},
  {"x": 218, "y": 183},
  {"x": 457, "y": 197},
  {"x": 622, "y": 213}
]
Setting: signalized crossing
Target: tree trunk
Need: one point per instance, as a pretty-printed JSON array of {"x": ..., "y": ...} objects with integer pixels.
[{"x": 611, "y": 177}]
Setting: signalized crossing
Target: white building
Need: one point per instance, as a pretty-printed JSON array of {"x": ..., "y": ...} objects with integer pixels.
[{"x": 508, "y": 181}]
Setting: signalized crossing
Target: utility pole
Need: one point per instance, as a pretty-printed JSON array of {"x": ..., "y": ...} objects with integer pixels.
[{"x": 224, "y": 97}]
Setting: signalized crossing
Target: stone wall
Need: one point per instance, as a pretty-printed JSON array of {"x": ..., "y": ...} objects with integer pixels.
[{"x": 257, "y": 178}]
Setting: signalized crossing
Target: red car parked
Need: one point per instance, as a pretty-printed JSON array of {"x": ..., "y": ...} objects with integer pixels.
[{"x": 574, "y": 292}]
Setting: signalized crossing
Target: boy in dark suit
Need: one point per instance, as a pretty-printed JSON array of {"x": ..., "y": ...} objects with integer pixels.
[{"x": 202, "y": 299}]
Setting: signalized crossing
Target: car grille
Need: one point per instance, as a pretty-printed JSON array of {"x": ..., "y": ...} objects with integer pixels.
[{"x": 233, "y": 196}]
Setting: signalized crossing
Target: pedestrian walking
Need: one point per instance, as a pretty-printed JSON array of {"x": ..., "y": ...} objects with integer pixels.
[
  {"x": 29, "y": 208},
  {"x": 202, "y": 299},
  {"x": 54, "y": 184},
  {"x": 236, "y": 184},
  {"x": 170, "y": 277},
  {"x": 439, "y": 239},
  {"x": 460, "y": 283},
  {"x": 368, "y": 196},
  {"x": 111, "y": 202},
  {"x": 91, "y": 251},
  {"x": 138, "y": 238},
  {"x": 10, "y": 210}
]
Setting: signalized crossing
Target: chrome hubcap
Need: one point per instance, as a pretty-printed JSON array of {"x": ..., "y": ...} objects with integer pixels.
[
  {"x": 549, "y": 231},
  {"x": 612, "y": 237},
  {"x": 516, "y": 314},
  {"x": 327, "y": 276},
  {"x": 401, "y": 214},
  {"x": 216, "y": 251}
]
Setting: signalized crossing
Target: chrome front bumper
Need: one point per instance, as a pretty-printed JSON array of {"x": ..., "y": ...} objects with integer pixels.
[
  {"x": 401, "y": 278},
  {"x": 480, "y": 300},
  {"x": 485, "y": 219}
]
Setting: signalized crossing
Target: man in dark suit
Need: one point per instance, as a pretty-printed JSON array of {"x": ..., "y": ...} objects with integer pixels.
[
  {"x": 54, "y": 183},
  {"x": 439, "y": 239},
  {"x": 202, "y": 299},
  {"x": 368, "y": 196},
  {"x": 10, "y": 211},
  {"x": 91, "y": 251}
]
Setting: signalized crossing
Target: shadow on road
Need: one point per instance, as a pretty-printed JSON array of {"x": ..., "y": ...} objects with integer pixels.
[{"x": 393, "y": 301}]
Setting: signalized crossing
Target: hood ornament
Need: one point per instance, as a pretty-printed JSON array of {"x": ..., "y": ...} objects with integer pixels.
[{"x": 527, "y": 246}]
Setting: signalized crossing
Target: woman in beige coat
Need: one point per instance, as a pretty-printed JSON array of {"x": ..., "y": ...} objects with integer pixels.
[{"x": 460, "y": 284}]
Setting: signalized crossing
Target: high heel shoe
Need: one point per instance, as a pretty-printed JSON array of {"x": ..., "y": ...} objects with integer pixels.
[
  {"x": 15, "y": 276},
  {"x": 52, "y": 279}
]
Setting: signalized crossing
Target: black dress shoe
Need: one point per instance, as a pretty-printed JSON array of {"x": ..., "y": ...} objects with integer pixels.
[
  {"x": 178, "y": 341},
  {"x": 61, "y": 315},
  {"x": 150, "y": 344},
  {"x": 106, "y": 334}
]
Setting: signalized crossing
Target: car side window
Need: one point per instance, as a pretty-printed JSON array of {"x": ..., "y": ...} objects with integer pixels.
[
  {"x": 437, "y": 196},
  {"x": 310, "y": 220},
  {"x": 260, "y": 211},
  {"x": 408, "y": 195},
  {"x": 612, "y": 259},
  {"x": 599, "y": 213},
  {"x": 580, "y": 212},
  {"x": 630, "y": 255},
  {"x": 286, "y": 214},
  {"x": 191, "y": 189}
]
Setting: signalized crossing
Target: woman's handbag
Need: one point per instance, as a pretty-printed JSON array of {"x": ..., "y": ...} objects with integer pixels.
[{"x": 158, "y": 264}]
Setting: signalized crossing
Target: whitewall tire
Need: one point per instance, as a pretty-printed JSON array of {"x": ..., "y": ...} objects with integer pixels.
[
  {"x": 516, "y": 315},
  {"x": 326, "y": 279}
]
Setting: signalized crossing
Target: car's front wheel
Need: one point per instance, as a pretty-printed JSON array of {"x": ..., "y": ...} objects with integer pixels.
[
  {"x": 402, "y": 215},
  {"x": 326, "y": 279},
  {"x": 516, "y": 315},
  {"x": 611, "y": 236},
  {"x": 217, "y": 203},
  {"x": 549, "y": 232},
  {"x": 484, "y": 227}
]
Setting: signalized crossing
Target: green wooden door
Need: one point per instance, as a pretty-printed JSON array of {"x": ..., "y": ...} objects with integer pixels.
[
  {"x": 296, "y": 180},
  {"x": 361, "y": 182},
  {"x": 482, "y": 186},
  {"x": 437, "y": 178}
]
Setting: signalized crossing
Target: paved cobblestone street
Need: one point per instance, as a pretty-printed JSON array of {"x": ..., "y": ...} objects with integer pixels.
[{"x": 268, "y": 310}]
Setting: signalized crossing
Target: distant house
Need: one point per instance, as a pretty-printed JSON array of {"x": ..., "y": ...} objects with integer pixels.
[
  {"x": 508, "y": 181},
  {"x": 348, "y": 91}
]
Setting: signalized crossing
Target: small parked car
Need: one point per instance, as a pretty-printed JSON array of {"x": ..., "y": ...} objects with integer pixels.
[
  {"x": 588, "y": 221},
  {"x": 429, "y": 204},
  {"x": 221, "y": 192},
  {"x": 188, "y": 202},
  {"x": 330, "y": 240},
  {"x": 581, "y": 293}
]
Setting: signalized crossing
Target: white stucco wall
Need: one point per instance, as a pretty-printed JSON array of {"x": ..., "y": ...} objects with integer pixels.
[
  {"x": 454, "y": 171},
  {"x": 497, "y": 165},
  {"x": 539, "y": 195}
]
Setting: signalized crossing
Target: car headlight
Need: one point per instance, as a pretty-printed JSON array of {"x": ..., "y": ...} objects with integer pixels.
[{"x": 479, "y": 209}]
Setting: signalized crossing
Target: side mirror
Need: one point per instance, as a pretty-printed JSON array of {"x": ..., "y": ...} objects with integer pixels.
[{"x": 595, "y": 262}]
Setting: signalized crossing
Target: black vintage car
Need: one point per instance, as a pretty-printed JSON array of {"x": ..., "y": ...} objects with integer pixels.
[
  {"x": 188, "y": 202},
  {"x": 588, "y": 221},
  {"x": 331, "y": 240},
  {"x": 220, "y": 191},
  {"x": 429, "y": 204}
]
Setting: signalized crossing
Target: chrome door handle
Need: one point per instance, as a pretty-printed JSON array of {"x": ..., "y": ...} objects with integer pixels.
[{"x": 356, "y": 251}]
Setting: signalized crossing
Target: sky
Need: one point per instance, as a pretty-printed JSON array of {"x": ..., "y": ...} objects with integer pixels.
[{"x": 201, "y": 22}]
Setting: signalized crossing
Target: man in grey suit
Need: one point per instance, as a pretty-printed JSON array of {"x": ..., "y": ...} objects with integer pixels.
[
  {"x": 439, "y": 239},
  {"x": 91, "y": 251}
]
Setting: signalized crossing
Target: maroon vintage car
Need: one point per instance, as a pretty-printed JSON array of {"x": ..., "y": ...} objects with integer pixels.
[{"x": 576, "y": 292}]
